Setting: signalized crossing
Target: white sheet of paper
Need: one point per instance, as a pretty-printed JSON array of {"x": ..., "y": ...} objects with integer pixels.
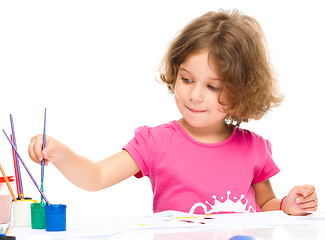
[{"x": 173, "y": 219}]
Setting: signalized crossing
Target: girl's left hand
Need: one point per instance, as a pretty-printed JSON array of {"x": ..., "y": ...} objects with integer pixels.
[{"x": 301, "y": 200}]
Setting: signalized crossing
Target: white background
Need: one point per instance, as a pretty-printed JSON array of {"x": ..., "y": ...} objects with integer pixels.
[{"x": 93, "y": 65}]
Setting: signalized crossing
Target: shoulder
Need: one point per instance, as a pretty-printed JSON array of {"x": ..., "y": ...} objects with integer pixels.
[
  {"x": 161, "y": 135},
  {"x": 244, "y": 133},
  {"x": 157, "y": 130},
  {"x": 251, "y": 138}
]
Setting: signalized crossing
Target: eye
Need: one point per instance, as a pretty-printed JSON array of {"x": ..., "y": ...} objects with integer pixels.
[
  {"x": 212, "y": 88},
  {"x": 186, "y": 80}
]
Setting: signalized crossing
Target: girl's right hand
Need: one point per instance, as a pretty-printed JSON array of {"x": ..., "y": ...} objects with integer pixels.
[{"x": 54, "y": 150}]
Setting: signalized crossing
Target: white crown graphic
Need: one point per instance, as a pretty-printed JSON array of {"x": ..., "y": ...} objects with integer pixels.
[{"x": 226, "y": 206}]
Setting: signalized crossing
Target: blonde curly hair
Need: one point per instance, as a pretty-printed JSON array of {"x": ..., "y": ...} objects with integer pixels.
[{"x": 237, "y": 48}]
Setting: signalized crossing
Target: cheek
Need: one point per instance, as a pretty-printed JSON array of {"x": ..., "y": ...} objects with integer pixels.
[
  {"x": 177, "y": 98},
  {"x": 177, "y": 93},
  {"x": 215, "y": 105},
  {"x": 223, "y": 107}
]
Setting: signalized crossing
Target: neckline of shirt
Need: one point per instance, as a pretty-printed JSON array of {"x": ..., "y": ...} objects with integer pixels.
[{"x": 187, "y": 136}]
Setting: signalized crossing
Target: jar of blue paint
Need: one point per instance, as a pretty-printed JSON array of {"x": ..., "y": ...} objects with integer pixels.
[{"x": 55, "y": 217}]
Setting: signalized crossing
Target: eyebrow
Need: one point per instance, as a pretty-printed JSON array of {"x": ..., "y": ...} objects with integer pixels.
[{"x": 184, "y": 69}]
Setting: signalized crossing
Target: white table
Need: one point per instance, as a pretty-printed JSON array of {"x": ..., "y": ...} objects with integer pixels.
[{"x": 169, "y": 226}]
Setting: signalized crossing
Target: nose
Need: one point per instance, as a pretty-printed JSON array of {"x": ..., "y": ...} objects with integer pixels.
[{"x": 196, "y": 93}]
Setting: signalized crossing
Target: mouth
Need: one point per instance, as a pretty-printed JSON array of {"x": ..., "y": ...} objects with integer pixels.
[{"x": 195, "y": 110}]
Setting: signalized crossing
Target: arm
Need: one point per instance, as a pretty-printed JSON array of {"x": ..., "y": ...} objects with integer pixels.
[
  {"x": 300, "y": 198},
  {"x": 79, "y": 170},
  {"x": 265, "y": 197}
]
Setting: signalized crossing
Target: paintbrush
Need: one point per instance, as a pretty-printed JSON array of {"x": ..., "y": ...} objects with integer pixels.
[
  {"x": 31, "y": 176},
  {"x": 43, "y": 161},
  {"x": 19, "y": 179},
  {"x": 8, "y": 184}
]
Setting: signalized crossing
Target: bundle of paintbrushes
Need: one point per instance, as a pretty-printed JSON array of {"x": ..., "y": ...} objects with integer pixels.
[{"x": 27, "y": 212}]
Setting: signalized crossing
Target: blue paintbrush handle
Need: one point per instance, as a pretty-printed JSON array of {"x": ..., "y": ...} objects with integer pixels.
[{"x": 44, "y": 138}]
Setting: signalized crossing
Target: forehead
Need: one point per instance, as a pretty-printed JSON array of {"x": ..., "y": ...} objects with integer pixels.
[{"x": 199, "y": 64}]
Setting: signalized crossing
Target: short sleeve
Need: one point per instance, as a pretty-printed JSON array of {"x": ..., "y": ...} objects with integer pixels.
[
  {"x": 141, "y": 149},
  {"x": 269, "y": 169}
]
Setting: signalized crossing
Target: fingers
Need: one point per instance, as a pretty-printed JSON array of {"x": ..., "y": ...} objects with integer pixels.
[
  {"x": 46, "y": 162},
  {"x": 302, "y": 199},
  {"x": 308, "y": 203},
  {"x": 35, "y": 149},
  {"x": 305, "y": 190}
]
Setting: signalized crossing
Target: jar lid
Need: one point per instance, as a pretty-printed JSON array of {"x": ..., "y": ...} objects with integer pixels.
[
  {"x": 10, "y": 179},
  {"x": 55, "y": 208}
]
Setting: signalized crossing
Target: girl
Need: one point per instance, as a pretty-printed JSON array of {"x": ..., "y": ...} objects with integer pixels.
[{"x": 220, "y": 74}]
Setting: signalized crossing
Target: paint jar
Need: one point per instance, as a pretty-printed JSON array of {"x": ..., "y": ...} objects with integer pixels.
[
  {"x": 38, "y": 215},
  {"x": 55, "y": 217},
  {"x": 5, "y": 200},
  {"x": 21, "y": 213}
]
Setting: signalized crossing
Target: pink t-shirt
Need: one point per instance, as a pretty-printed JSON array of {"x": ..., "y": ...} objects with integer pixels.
[{"x": 203, "y": 178}]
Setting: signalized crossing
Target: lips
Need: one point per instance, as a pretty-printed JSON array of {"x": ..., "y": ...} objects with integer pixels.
[{"x": 195, "y": 110}]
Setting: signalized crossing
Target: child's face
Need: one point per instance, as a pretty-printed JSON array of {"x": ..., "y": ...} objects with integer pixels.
[{"x": 196, "y": 92}]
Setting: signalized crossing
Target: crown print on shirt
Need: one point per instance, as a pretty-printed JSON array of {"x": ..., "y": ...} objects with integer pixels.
[{"x": 226, "y": 206}]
